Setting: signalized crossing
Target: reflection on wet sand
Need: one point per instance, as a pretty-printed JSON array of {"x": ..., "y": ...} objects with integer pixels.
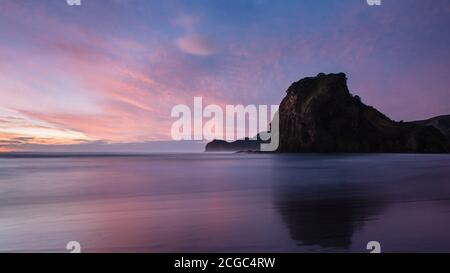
[
  {"x": 354, "y": 200},
  {"x": 329, "y": 223},
  {"x": 225, "y": 203}
]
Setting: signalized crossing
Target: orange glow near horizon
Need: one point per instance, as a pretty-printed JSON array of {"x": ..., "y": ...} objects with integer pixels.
[{"x": 6, "y": 150}]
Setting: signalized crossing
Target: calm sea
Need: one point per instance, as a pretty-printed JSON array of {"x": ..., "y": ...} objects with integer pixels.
[{"x": 224, "y": 202}]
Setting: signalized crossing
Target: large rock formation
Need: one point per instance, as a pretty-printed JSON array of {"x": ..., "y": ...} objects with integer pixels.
[{"x": 319, "y": 114}]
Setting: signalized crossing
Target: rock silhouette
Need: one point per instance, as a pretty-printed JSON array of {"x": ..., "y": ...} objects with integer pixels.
[
  {"x": 235, "y": 146},
  {"x": 442, "y": 123},
  {"x": 320, "y": 115}
]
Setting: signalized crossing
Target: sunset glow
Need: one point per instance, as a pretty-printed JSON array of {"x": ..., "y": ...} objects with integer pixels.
[{"x": 112, "y": 71}]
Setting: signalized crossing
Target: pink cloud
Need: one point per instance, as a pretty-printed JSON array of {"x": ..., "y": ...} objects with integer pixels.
[{"x": 195, "y": 45}]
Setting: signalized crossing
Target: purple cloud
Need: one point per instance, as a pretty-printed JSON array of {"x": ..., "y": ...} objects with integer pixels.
[{"x": 195, "y": 45}]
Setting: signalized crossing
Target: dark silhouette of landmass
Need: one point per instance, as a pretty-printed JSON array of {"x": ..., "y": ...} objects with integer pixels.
[
  {"x": 241, "y": 145},
  {"x": 238, "y": 145},
  {"x": 319, "y": 114},
  {"x": 442, "y": 123}
]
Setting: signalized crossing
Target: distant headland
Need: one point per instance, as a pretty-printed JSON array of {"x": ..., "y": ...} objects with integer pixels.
[{"x": 320, "y": 115}]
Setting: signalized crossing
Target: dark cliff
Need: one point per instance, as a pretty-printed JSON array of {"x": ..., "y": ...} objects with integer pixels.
[
  {"x": 442, "y": 123},
  {"x": 319, "y": 114}
]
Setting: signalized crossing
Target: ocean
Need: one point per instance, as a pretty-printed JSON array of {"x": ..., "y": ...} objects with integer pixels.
[{"x": 224, "y": 202}]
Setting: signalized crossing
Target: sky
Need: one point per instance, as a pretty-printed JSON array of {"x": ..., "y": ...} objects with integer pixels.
[{"x": 107, "y": 73}]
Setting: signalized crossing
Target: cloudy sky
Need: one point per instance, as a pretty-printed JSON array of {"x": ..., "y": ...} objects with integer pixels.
[{"x": 110, "y": 71}]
